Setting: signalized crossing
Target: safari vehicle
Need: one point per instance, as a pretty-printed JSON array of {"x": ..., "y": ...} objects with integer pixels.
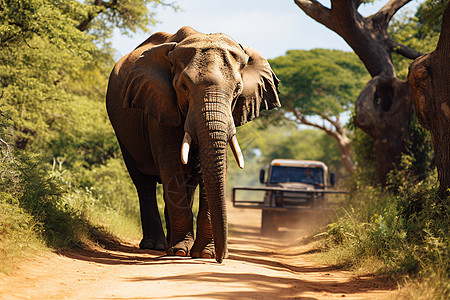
[{"x": 294, "y": 193}]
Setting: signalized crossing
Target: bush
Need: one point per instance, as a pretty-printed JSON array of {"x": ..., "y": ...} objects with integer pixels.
[
  {"x": 19, "y": 233},
  {"x": 41, "y": 195},
  {"x": 402, "y": 230}
]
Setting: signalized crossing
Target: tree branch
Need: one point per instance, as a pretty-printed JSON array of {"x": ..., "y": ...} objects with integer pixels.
[
  {"x": 336, "y": 124},
  {"x": 8, "y": 152},
  {"x": 403, "y": 50},
  {"x": 316, "y": 11},
  {"x": 101, "y": 6},
  {"x": 302, "y": 120},
  {"x": 385, "y": 14}
]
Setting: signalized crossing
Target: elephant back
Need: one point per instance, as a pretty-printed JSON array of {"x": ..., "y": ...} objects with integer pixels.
[{"x": 159, "y": 38}]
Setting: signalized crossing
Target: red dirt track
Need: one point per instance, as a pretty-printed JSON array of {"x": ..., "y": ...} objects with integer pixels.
[{"x": 257, "y": 268}]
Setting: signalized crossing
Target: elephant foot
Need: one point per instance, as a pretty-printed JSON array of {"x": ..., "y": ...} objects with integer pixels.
[
  {"x": 182, "y": 248},
  {"x": 200, "y": 250},
  {"x": 158, "y": 244}
]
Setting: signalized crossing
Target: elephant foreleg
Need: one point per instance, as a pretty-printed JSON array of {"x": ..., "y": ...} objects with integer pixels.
[
  {"x": 204, "y": 244},
  {"x": 178, "y": 196}
]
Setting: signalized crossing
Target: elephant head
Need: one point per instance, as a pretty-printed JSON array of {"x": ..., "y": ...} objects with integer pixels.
[{"x": 209, "y": 84}]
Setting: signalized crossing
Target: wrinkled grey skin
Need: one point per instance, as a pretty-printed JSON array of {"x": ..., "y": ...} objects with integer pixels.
[{"x": 200, "y": 84}]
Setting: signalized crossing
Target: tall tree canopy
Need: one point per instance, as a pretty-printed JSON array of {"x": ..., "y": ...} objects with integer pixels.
[
  {"x": 318, "y": 86},
  {"x": 51, "y": 60},
  {"x": 42, "y": 54},
  {"x": 384, "y": 107}
]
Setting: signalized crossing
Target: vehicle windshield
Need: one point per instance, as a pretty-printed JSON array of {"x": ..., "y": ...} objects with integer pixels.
[{"x": 281, "y": 174}]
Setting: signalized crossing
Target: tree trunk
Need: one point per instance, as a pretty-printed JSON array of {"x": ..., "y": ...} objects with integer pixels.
[
  {"x": 429, "y": 77},
  {"x": 383, "y": 108},
  {"x": 383, "y": 111},
  {"x": 345, "y": 151}
]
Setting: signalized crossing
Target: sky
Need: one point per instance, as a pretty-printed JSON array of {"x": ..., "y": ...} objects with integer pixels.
[{"x": 270, "y": 26}]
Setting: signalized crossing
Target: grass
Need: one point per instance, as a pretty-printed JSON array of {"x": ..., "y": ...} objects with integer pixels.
[
  {"x": 433, "y": 285},
  {"x": 19, "y": 234},
  {"x": 43, "y": 208},
  {"x": 401, "y": 232}
]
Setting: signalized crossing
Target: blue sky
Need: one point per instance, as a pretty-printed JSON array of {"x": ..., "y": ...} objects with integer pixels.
[{"x": 270, "y": 26}]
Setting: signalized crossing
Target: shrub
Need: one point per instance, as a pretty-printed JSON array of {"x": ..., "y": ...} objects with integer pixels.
[
  {"x": 402, "y": 230},
  {"x": 19, "y": 233}
]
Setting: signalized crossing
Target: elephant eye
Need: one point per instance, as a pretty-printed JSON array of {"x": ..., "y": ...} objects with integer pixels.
[{"x": 184, "y": 88}]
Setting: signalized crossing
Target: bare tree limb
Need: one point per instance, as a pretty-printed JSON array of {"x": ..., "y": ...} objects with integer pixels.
[
  {"x": 302, "y": 119},
  {"x": 8, "y": 152},
  {"x": 403, "y": 50},
  {"x": 339, "y": 135},
  {"x": 316, "y": 11},
  {"x": 385, "y": 14},
  {"x": 332, "y": 122},
  {"x": 101, "y": 7}
]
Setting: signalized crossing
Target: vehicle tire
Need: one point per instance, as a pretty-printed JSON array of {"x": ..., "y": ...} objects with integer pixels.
[{"x": 269, "y": 225}]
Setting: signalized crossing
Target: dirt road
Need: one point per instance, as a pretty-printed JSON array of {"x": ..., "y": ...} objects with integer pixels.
[{"x": 257, "y": 268}]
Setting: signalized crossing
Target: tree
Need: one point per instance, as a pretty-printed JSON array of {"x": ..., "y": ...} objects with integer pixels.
[
  {"x": 48, "y": 48},
  {"x": 53, "y": 77},
  {"x": 318, "y": 86},
  {"x": 384, "y": 107},
  {"x": 127, "y": 15},
  {"x": 429, "y": 77},
  {"x": 41, "y": 53}
]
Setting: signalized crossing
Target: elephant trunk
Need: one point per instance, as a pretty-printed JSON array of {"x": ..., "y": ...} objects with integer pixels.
[{"x": 213, "y": 132}]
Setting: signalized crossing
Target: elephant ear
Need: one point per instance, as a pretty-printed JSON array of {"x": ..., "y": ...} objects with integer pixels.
[
  {"x": 260, "y": 88},
  {"x": 149, "y": 86}
]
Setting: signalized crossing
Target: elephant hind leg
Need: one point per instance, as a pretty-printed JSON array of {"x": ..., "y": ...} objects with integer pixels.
[{"x": 153, "y": 233}]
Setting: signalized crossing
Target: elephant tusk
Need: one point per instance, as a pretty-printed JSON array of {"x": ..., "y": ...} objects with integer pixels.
[
  {"x": 237, "y": 152},
  {"x": 185, "y": 146}
]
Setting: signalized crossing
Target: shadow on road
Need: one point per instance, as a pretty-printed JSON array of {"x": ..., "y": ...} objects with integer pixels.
[{"x": 260, "y": 267}]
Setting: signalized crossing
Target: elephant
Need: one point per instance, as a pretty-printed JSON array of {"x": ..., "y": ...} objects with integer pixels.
[{"x": 174, "y": 103}]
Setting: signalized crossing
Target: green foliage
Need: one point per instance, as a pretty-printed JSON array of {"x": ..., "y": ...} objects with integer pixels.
[
  {"x": 421, "y": 212},
  {"x": 40, "y": 195},
  {"x": 367, "y": 228},
  {"x": 60, "y": 164},
  {"x": 319, "y": 81},
  {"x": 91, "y": 144},
  {"x": 129, "y": 16},
  {"x": 429, "y": 17},
  {"x": 406, "y": 232},
  {"x": 365, "y": 158},
  {"x": 41, "y": 53},
  {"x": 111, "y": 187},
  {"x": 23, "y": 20},
  {"x": 19, "y": 233},
  {"x": 420, "y": 31}
]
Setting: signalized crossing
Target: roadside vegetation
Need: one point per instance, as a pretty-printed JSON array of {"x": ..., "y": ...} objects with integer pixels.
[
  {"x": 400, "y": 231},
  {"x": 63, "y": 182}
]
